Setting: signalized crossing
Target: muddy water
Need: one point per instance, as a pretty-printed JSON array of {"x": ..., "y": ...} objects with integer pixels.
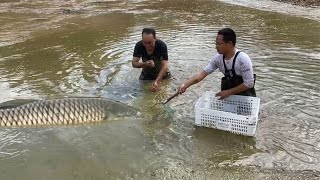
[{"x": 84, "y": 48}]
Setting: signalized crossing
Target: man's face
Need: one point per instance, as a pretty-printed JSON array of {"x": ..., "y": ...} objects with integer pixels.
[
  {"x": 221, "y": 46},
  {"x": 148, "y": 41}
]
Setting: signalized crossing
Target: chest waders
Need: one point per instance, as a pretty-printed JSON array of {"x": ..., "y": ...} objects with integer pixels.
[{"x": 228, "y": 81}]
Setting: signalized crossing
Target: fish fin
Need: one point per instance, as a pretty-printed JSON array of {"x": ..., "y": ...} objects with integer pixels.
[{"x": 15, "y": 103}]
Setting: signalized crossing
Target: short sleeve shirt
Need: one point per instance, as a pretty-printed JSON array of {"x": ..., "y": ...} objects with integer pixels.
[
  {"x": 159, "y": 54},
  {"x": 243, "y": 67}
]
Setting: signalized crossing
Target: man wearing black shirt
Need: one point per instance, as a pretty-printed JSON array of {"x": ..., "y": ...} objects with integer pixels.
[{"x": 154, "y": 55}]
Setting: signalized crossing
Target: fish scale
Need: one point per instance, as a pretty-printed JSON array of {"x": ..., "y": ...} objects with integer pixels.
[{"x": 53, "y": 112}]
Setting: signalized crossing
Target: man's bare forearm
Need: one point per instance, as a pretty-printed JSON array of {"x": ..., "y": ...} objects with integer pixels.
[
  {"x": 137, "y": 64},
  {"x": 195, "y": 79},
  {"x": 162, "y": 72},
  {"x": 238, "y": 89}
]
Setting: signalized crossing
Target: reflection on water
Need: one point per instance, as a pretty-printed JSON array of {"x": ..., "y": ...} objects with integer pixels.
[{"x": 84, "y": 48}]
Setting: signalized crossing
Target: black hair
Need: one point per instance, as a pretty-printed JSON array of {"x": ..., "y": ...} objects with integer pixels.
[
  {"x": 149, "y": 31},
  {"x": 228, "y": 35}
]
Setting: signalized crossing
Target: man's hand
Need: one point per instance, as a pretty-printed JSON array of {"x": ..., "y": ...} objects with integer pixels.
[
  {"x": 182, "y": 88},
  {"x": 149, "y": 64},
  {"x": 223, "y": 94},
  {"x": 154, "y": 86}
]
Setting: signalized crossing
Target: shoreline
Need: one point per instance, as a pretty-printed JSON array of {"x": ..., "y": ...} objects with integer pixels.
[
  {"x": 281, "y": 6},
  {"x": 305, "y": 3}
]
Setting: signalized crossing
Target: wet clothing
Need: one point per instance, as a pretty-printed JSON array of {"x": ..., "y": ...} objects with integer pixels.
[
  {"x": 159, "y": 54},
  {"x": 143, "y": 76},
  {"x": 236, "y": 71}
]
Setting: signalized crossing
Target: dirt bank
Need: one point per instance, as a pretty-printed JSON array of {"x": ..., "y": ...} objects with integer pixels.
[{"x": 302, "y": 2}]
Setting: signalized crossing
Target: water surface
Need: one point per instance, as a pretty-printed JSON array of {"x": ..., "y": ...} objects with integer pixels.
[{"x": 84, "y": 48}]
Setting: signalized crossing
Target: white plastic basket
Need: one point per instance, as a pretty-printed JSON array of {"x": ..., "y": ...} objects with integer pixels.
[{"x": 237, "y": 114}]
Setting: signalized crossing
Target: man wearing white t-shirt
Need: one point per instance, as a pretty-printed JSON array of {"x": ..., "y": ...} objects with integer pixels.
[{"x": 235, "y": 65}]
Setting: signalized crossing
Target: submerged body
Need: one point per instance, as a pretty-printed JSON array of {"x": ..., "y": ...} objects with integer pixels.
[{"x": 63, "y": 111}]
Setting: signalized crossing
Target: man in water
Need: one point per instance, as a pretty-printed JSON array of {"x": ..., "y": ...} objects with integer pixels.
[
  {"x": 154, "y": 55},
  {"x": 236, "y": 66}
]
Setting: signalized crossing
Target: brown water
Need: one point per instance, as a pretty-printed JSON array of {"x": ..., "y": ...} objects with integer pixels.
[{"x": 84, "y": 48}]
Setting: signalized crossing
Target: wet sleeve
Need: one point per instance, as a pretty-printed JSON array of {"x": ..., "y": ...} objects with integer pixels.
[
  {"x": 137, "y": 51},
  {"x": 164, "y": 52},
  {"x": 246, "y": 70},
  {"x": 212, "y": 65}
]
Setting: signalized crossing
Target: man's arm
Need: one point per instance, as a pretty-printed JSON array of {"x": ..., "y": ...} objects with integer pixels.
[
  {"x": 238, "y": 89},
  {"x": 136, "y": 63},
  {"x": 194, "y": 80},
  {"x": 164, "y": 69},
  {"x": 225, "y": 93},
  {"x": 164, "y": 66},
  {"x": 164, "y": 62}
]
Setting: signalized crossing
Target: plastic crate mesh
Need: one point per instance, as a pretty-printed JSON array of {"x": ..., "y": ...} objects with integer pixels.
[{"x": 237, "y": 114}]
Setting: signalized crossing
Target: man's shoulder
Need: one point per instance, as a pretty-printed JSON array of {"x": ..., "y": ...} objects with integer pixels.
[
  {"x": 138, "y": 49},
  {"x": 160, "y": 42},
  {"x": 244, "y": 56},
  {"x": 139, "y": 43},
  {"x": 217, "y": 57}
]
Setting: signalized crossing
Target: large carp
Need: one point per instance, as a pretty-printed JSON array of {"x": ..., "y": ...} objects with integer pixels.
[{"x": 62, "y": 111}]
